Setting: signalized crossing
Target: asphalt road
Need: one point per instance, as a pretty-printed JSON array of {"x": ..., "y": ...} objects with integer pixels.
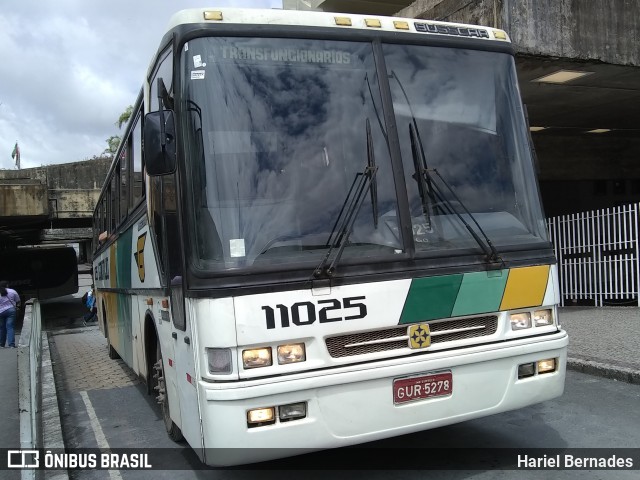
[{"x": 104, "y": 406}]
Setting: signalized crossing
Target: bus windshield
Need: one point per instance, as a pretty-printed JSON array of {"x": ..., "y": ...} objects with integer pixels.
[
  {"x": 465, "y": 107},
  {"x": 275, "y": 135}
]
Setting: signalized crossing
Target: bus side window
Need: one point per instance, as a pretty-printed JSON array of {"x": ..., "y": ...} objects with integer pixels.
[
  {"x": 164, "y": 70},
  {"x": 155, "y": 216},
  {"x": 125, "y": 157},
  {"x": 137, "y": 179},
  {"x": 158, "y": 204}
]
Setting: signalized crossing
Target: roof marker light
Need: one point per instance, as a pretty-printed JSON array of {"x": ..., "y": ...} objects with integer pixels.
[
  {"x": 213, "y": 15},
  {"x": 500, "y": 34},
  {"x": 562, "y": 76},
  {"x": 343, "y": 21},
  {"x": 372, "y": 22},
  {"x": 400, "y": 25}
]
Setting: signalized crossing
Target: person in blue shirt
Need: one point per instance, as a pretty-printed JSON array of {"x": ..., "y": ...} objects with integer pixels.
[
  {"x": 9, "y": 303},
  {"x": 90, "y": 303}
]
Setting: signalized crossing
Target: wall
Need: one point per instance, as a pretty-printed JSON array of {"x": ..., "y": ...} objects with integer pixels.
[
  {"x": 605, "y": 30},
  {"x": 23, "y": 200},
  {"x": 68, "y": 190}
]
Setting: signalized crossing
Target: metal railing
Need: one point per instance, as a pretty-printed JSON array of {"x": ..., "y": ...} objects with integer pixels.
[
  {"x": 40, "y": 423},
  {"x": 29, "y": 381},
  {"x": 598, "y": 255}
]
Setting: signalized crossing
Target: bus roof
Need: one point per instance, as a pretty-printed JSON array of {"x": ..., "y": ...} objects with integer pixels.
[{"x": 333, "y": 20}]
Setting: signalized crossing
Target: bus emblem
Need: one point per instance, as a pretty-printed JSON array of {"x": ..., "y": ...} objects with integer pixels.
[
  {"x": 419, "y": 336},
  {"x": 139, "y": 256}
]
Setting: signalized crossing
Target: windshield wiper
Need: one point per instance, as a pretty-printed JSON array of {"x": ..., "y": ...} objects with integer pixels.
[
  {"x": 492, "y": 255},
  {"x": 425, "y": 189},
  {"x": 343, "y": 225},
  {"x": 419, "y": 159}
]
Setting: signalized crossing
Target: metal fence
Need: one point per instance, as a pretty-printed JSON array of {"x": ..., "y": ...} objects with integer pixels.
[
  {"x": 29, "y": 382},
  {"x": 598, "y": 254}
]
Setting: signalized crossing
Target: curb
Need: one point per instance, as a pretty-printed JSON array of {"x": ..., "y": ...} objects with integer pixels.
[
  {"x": 72, "y": 330},
  {"x": 605, "y": 370},
  {"x": 52, "y": 424}
]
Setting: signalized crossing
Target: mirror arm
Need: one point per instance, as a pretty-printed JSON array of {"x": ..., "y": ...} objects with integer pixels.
[{"x": 163, "y": 133}]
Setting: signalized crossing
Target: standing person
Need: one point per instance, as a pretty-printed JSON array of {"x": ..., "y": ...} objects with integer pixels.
[
  {"x": 9, "y": 302},
  {"x": 90, "y": 303}
]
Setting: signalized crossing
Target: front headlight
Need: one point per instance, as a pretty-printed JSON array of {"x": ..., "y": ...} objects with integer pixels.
[
  {"x": 520, "y": 321},
  {"x": 542, "y": 318},
  {"x": 291, "y": 353},
  {"x": 256, "y": 357},
  {"x": 219, "y": 360}
]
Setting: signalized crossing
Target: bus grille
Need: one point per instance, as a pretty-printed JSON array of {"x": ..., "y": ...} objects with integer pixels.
[{"x": 396, "y": 338}]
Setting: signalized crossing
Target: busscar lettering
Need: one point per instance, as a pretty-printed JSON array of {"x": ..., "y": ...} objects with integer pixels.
[
  {"x": 307, "y": 313},
  {"x": 452, "y": 30}
]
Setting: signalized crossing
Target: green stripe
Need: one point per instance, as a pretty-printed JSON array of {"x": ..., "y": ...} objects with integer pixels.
[
  {"x": 430, "y": 298},
  {"x": 480, "y": 292},
  {"x": 124, "y": 259}
]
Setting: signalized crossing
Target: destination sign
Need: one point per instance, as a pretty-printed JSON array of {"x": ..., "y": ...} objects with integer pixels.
[{"x": 286, "y": 55}]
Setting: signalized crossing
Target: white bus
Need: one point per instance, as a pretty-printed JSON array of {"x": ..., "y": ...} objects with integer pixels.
[{"x": 332, "y": 235}]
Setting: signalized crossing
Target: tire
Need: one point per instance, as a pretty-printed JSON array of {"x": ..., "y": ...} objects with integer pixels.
[
  {"x": 113, "y": 355},
  {"x": 163, "y": 399}
]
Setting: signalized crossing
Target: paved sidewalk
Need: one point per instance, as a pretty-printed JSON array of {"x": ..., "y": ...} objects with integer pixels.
[
  {"x": 10, "y": 437},
  {"x": 604, "y": 341},
  {"x": 9, "y": 411},
  {"x": 82, "y": 362}
]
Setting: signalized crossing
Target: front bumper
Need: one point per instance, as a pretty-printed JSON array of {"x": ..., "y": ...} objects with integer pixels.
[{"x": 355, "y": 404}]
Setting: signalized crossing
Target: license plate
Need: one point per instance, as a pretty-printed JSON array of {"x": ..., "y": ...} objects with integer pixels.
[{"x": 410, "y": 389}]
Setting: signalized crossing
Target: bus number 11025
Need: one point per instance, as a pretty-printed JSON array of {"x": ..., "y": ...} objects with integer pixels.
[{"x": 306, "y": 313}]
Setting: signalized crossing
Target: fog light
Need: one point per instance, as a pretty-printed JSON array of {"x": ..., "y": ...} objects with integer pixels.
[
  {"x": 261, "y": 415},
  {"x": 526, "y": 370},
  {"x": 291, "y": 353},
  {"x": 520, "y": 321},
  {"x": 219, "y": 360},
  {"x": 542, "y": 318},
  {"x": 292, "y": 411},
  {"x": 256, "y": 357},
  {"x": 547, "y": 366}
]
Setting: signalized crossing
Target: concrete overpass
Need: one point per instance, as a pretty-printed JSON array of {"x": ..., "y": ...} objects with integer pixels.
[
  {"x": 586, "y": 128},
  {"x": 50, "y": 204}
]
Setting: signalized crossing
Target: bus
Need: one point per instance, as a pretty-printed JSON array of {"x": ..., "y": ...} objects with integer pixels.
[
  {"x": 43, "y": 272},
  {"x": 325, "y": 229}
]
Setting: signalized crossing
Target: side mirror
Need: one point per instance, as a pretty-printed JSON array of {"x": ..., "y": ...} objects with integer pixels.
[{"x": 159, "y": 152}]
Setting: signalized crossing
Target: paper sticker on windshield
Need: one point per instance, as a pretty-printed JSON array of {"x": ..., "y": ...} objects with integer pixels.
[
  {"x": 197, "y": 75},
  {"x": 236, "y": 246},
  {"x": 197, "y": 61}
]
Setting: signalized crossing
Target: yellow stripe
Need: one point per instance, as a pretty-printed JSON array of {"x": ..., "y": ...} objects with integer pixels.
[
  {"x": 112, "y": 266},
  {"x": 111, "y": 312},
  {"x": 525, "y": 287}
]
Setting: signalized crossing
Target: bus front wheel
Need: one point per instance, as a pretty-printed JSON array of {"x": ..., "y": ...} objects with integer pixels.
[{"x": 163, "y": 398}]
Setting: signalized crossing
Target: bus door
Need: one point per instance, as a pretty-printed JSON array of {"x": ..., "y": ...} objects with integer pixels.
[
  {"x": 184, "y": 364},
  {"x": 164, "y": 220},
  {"x": 182, "y": 368}
]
